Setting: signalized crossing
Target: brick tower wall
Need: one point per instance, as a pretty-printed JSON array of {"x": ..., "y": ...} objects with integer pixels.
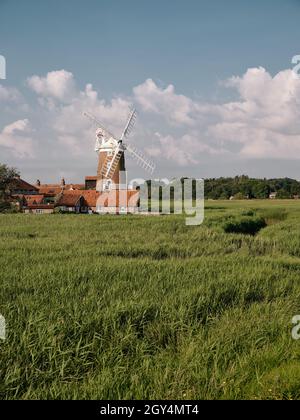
[{"x": 116, "y": 175}]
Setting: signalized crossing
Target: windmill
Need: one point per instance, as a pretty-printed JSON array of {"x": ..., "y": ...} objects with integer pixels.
[{"x": 111, "y": 153}]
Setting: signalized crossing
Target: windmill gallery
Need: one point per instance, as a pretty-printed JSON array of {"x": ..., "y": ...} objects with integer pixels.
[{"x": 107, "y": 192}]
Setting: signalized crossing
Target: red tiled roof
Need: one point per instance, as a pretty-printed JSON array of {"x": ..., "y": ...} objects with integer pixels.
[
  {"x": 119, "y": 198},
  {"x": 55, "y": 189},
  {"x": 34, "y": 199},
  {"x": 49, "y": 190},
  {"x": 90, "y": 197},
  {"x": 20, "y": 184},
  {"x": 69, "y": 198},
  {"x": 66, "y": 186}
]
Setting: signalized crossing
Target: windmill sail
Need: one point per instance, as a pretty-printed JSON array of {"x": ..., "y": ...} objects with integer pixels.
[
  {"x": 130, "y": 124},
  {"x": 110, "y": 165},
  {"x": 111, "y": 162},
  {"x": 106, "y": 133},
  {"x": 141, "y": 159}
]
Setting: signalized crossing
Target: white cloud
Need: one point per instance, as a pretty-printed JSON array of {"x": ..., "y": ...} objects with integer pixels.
[
  {"x": 9, "y": 94},
  {"x": 176, "y": 150},
  {"x": 69, "y": 118},
  {"x": 74, "y": 131},
  {"x": 56, "y": 84},
  {"x": 264, "y": 122},
  {"x": 70, "y": 143},
  {"x": 61, "y": 104},
  {"x": 174, "y": 108},
  {"x": 13, "y": 137},
  {"x": 183, "y": 151},
  {"x": 17, "y": 126}
]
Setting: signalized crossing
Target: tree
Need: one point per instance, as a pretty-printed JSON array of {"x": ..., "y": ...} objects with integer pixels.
[
  {"x": 239, "y": 196},
  {"x": 283, "y": 194},
  {"x": 261, "y": 189},
  {"x": 7, "y": 177}
]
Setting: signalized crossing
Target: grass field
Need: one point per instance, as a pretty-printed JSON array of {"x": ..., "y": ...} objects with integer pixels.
[{"x": 132, "y": 307}]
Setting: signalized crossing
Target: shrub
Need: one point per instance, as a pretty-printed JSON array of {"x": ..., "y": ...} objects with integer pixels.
[
  {"x": 7, "y": 207},
  {"x": 248, "y": 212},
  {"x": 245, "y": 225}
]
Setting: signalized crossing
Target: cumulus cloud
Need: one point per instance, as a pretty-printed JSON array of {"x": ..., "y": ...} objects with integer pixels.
[
  {"x": 176, "y": 150},
  {"x": 56, "y": 84},
  {"x": 75, "y": 133},
  {"x": 63, "y": 104},
  {"x": 9, "y": 94},
  {"x": 14, "y": 138},
  {"x": 69, "y": 118},
  {"x": 166, "y": 102},
  {"x": 264, "y": 122},
  {"x": 183, "y": 150}
]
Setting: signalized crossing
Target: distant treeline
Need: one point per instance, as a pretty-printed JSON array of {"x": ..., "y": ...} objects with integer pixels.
[
  {"x": 244, "y": 187},
  {"x": 239, "y": 187}
]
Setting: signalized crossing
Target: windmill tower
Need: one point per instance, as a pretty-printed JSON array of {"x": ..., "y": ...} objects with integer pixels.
[{"x": 111, "y": 155}]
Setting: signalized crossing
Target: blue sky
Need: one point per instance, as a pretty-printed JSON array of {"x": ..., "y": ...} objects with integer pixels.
[{"x": 117, "y": 45}]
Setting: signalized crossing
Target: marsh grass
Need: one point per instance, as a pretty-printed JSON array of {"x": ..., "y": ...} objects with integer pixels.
[{"x": 145, "y": 307}]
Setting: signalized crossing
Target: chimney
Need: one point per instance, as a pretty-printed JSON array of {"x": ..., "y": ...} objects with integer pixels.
[
  {"x": 63, "y": 182},
  {"x": 38, "y": 183}
]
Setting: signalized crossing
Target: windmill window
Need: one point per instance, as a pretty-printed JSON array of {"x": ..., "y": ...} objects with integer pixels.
[{"x": 107, "y": 185}]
